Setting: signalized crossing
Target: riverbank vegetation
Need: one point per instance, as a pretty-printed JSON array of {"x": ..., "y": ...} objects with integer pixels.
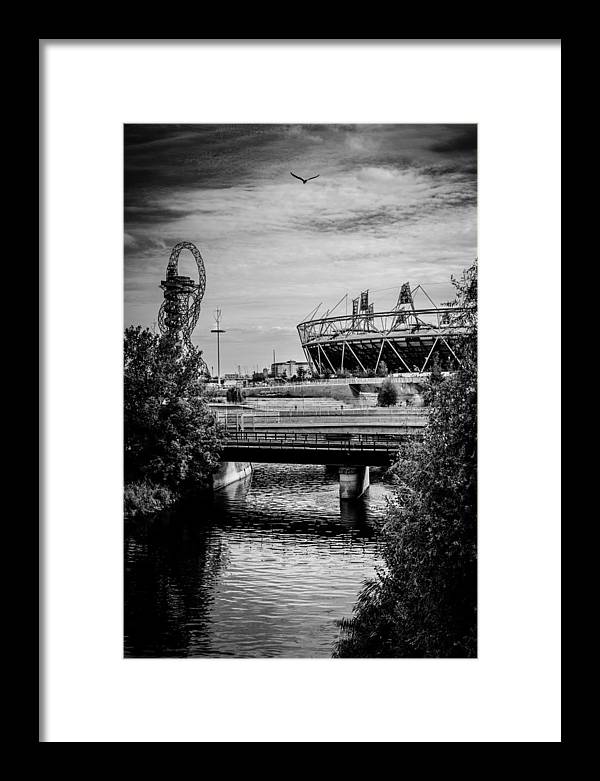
[
  {"x": 387, "y": 395},
  {"x": 172, "y": 441},
  {"x": 424, "y": 602}
]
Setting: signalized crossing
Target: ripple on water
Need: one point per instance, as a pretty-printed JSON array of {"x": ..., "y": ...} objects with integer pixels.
[{"x": 266, "y": 568}]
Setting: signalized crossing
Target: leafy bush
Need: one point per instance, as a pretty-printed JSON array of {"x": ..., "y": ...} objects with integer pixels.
[
  {"x": 388, "y": 394},
  {"x": 424, "y": 604},
  {"x": 143, "y": 498},
  {"x": 435, "y": 378},
  {"x": 436, "y": 370},
  {"x": 171, "y": 436},
  {"x": 234, "y": 395}
]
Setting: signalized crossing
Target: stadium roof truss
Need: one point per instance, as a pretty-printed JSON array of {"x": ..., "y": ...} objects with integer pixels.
[{"x": 406, "y": 338}]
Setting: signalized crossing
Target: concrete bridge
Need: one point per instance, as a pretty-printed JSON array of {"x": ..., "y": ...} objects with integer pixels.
[
  {"x": 352, "y": 440},
  {"x": 313, "y": 448}
]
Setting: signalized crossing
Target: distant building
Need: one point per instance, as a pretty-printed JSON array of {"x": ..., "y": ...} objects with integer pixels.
[{"x": 288, "y": 369}]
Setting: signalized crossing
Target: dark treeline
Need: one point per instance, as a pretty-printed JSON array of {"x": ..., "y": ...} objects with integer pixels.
[
  {"x": 172, "y": 442},
  {"x": 424, "y": 602}
]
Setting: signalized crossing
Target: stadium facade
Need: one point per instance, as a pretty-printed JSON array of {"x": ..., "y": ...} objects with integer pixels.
[{"x": 405, "y": 339}]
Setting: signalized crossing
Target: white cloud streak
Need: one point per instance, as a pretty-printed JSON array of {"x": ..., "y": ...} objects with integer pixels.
[{"x": 274, "y": 248}]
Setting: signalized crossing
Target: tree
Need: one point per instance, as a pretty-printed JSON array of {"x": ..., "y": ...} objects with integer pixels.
[
  {"x": 382, "y": 369},
  {"x": 436, "y": 370},
  {"x": 171, "y": 436},
  {"x": 234, "y": 395},
  {"x": 424, "y": 604},
  {"x": 388, "y": 394},
  {"x": 435, "y": 377}
]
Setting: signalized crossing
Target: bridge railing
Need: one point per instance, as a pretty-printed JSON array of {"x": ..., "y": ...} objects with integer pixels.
[
  {"x": 348, "y": 412},
  {"x": 333, "y": 441},
  {"x": 334, "y": 435},
  {"x": 249, "y": 423}
]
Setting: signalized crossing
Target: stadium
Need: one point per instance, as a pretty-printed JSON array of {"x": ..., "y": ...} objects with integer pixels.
[{"x": 403, "y": 339}]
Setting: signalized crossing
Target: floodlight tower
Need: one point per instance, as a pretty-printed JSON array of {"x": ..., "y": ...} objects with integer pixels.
[
  {"x": 404, "y": 305},
  {"x": 218, "y": 331}
]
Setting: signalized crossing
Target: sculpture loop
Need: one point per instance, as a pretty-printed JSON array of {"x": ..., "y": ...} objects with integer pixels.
[{"x": 180, "y": 309}]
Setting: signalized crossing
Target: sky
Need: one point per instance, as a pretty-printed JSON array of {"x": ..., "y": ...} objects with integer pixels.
[{"x": 392, "y": 203}]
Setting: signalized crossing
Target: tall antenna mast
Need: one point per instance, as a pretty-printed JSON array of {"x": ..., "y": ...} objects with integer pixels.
[{"x": 218, "y": 331}]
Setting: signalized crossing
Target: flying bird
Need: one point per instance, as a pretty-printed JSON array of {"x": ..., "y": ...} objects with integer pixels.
[{"x": 304, "y": 181}]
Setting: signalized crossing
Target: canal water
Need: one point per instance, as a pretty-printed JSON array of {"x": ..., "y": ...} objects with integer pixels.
[{"x": 265, "y": 568}]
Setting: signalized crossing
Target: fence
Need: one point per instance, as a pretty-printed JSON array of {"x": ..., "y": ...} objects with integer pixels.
[
  {"x": 407, "y": 418},
  {"x": 284, "y": 440},
  {"x": 317, "y": 412}
]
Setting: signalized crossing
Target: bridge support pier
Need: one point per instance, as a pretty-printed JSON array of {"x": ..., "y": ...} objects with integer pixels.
[
  {"x": 354, "y": 481},
  {"x": 229, "y": 472}
]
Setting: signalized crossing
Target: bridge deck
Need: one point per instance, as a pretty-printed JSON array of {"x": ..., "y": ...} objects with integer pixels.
[{"x": 313, "y": 448}]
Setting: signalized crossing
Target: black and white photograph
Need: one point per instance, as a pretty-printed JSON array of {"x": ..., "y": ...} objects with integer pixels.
[
  {"x": 300, "y": 390},
  {"x": 300, "y": 438}
]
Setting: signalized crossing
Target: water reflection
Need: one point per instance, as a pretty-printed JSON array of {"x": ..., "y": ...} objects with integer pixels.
[{"x": 266, "y": 567}]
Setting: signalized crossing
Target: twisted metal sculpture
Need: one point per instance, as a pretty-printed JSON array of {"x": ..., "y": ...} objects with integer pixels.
[{"x": 180, "y": 310}]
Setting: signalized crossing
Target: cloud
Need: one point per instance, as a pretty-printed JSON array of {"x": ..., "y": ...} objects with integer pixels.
[
  {"x": 463, "y": 138},
  {"x": 392, "y": 202}
]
